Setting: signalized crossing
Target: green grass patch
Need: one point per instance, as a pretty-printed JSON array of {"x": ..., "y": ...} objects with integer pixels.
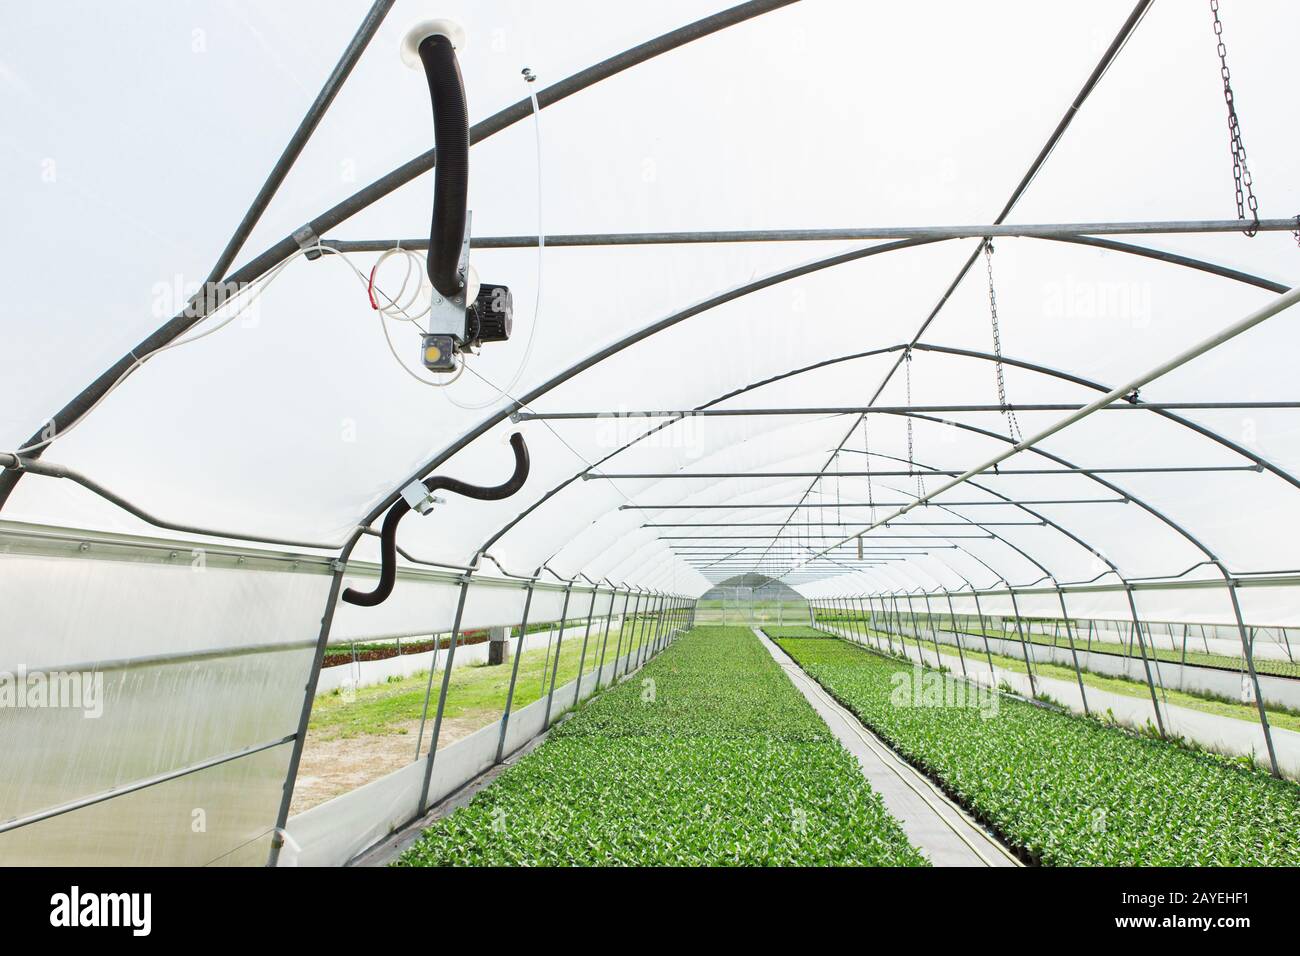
[
  {"x": 477, "y": 689},
  {"x": 1064, "y": 789},
  {"x": 709, "y": 756}
]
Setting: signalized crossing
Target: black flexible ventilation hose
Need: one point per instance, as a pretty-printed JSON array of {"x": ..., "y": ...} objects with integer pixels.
[
  {"x": 451, "y": 174},
  {"x": 388, "y": 532}
]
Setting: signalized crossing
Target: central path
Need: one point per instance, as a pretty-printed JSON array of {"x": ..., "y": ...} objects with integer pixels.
[{"x": 934, "y": 824}]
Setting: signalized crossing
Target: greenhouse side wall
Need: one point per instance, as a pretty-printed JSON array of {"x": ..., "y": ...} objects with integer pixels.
[
  {"x": 335, "y": 833},
  {"x": 172, "y": 688},
  {"x": 154, "y": 690}
]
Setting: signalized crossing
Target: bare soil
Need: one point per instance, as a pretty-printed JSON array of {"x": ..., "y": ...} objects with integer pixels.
[{"x": 332, "y": 767}]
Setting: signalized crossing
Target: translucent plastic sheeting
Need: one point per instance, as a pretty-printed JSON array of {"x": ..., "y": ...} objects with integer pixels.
[
  {"x": 129, "y": 663},
  {"x": 334, "y": 832},
  {"x": 295, "y": 421},
  {"x": 424, "y": 602},
  {"x": 220, "y": 816},
  {"x": 86, "y": 599},
  {"x": 1206, "y": 601}
]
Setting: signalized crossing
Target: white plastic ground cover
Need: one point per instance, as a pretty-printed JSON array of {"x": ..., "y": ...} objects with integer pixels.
[
  {"x": 335, "y": 832},
  {"x": 690, "y": 149}
]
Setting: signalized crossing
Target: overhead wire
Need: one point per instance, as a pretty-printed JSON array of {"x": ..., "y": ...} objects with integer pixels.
[
  {"x": 247, "y": 294},
  {"x": 529, "y": 78}
]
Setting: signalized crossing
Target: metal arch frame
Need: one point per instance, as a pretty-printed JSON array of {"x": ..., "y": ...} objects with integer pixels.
[
  {"x": 1210, "y": 555},
  {"x": 1134, "y": 17},
  {"x": 262, "y": 263},
  {"x": 8, "y": 477},
  {"x": 1019, "y": 626},
  {"x": 1204, "y": 431},
  {"x": 348, "y": 547},
  {"x": 567, "y": 87},
  {"x": 1108, "y": 57},
  {"x": 1211, "y": 558}
]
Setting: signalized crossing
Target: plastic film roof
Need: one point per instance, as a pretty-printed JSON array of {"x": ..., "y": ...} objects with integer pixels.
[{"x": 294, "y": 421}]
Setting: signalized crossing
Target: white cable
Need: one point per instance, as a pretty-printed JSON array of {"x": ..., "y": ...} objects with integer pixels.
[
  {"x": 396, "y": 308},
  {"x": 405, "y": 368},
  {"x": 249, "y": 294},
  {"x": 577, "y": 454},
  {"x": 259, "y": 287},
  {"x": 537, "y": 299}
]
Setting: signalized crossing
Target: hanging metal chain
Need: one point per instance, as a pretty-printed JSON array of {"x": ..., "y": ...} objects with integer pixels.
[
  {"x": 1240, "y": 171},
  {"x": 1013, "y": 424},
  {"x": 839, "y": 519},
  {"x": 911, "y": 461},
  {"x": 821, "y": 507},
  {"x": 866, "y": 454}
]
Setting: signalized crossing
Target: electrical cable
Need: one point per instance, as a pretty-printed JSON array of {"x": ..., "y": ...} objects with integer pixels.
[
  {"x": 246, "y": 295},
  {"x": 259, "y": 287}
]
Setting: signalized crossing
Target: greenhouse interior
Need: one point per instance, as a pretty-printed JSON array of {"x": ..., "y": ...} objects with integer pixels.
[{"x": 656, "y": 435}]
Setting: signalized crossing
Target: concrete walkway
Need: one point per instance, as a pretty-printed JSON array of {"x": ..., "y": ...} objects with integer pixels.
[
  {"x": 1219, "y": 733},
  {"x": 933, "y": 823}
]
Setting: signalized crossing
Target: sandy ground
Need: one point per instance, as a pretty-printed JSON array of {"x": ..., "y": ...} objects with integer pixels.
[{"x": 330, "y": 768}]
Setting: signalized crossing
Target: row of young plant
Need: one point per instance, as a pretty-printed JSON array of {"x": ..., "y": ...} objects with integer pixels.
[
  {"x": 706, "y": 756},
  {"x": 1065, "y": 790}
]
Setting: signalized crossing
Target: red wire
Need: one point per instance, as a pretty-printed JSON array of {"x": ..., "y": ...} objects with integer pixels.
[{"x": 370, "y": 287}]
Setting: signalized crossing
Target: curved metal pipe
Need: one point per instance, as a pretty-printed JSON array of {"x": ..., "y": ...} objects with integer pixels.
[
  {"x": 259, "y": 265},
  {"x": 968, "y": 353}
]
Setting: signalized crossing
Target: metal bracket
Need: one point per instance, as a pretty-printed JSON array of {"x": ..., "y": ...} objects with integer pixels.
[
  {"x": 307, "y": 240},
  {"x": 447, "y": 315},
  {"x": 418, "y": 497}
]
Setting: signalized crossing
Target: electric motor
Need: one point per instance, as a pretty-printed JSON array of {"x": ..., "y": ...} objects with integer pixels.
[{"x": 491, "y": 316}]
